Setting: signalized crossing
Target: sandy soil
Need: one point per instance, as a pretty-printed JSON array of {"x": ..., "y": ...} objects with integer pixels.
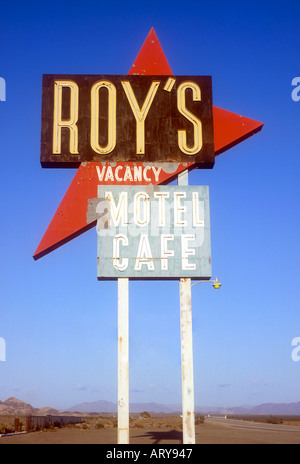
[{"x": 153, "y": 431}]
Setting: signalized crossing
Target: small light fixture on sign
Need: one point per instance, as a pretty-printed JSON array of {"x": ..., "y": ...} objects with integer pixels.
[{"x": 217, "y": 284}]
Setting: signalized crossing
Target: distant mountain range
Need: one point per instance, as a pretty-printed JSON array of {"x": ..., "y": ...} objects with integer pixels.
[
  {"x": 14, "y": 406},
  {"x": 107, "y": 406},
  {"x": 264, "y": 409}
]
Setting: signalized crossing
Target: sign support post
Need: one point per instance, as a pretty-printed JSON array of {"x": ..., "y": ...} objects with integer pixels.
[
  {"x": 187, "y": 365},
  {"x": 123, "y": 361}
]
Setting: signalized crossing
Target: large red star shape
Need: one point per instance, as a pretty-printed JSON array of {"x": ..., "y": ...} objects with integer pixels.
[{"x": 70, "y": 219}]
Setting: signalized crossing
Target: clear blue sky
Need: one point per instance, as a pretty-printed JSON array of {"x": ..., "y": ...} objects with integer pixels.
[{"x": 59, "y": 322}]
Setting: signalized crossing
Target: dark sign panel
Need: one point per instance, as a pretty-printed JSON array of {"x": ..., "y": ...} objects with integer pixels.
[{"x": 126, "y": 118}]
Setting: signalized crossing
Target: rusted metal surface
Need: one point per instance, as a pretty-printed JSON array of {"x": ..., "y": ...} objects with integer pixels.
[{"x": 90, "y": 118}]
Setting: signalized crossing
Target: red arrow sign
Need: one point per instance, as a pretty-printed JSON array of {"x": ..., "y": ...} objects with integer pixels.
[{"x": 70, "y": 219}]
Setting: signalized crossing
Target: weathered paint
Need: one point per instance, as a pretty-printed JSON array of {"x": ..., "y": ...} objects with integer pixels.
[
  {"x": 151, "y": 59},
  {"x": 153, "y": 232},
  {"x": 187, "y": 369},
  {"x": 187, "y": 361},
  {"x": 123, "y": 361},
  {"x": 117, "y": 118},
  {"x": 70, "y": 219}
]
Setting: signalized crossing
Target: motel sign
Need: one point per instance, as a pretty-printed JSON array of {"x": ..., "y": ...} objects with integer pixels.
[
  {"x": 129, "y": 136},
  {"x": 126, "y": 118},
  {"x": 147, "y": 232}
]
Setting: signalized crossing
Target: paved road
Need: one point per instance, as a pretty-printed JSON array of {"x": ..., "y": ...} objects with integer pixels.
[
  {"x": 213, "y": 431},
  {"x": 242, "y": 424}
]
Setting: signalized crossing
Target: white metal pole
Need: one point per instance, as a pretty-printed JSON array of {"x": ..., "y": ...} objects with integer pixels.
[
  {"x": 187, "y": 364},
  {"x": 123, "y": 361},
  {"x": 187, "y": 369}
]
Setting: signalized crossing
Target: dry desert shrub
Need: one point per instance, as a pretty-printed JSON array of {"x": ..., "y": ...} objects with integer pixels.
[
  {"x": 138, "y": 425},
  {"x": 274, "y": 420},
  {"x": 5, "y": 428},
  {"x": 99, "y": 426},
  {"x": 199, "y": 419}
]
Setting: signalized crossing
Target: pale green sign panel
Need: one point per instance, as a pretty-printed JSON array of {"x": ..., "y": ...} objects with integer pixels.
[{"x": 153, "y": 232}]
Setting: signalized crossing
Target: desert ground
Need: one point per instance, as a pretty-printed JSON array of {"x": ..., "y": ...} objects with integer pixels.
[{"x": 159, "y": 431}]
